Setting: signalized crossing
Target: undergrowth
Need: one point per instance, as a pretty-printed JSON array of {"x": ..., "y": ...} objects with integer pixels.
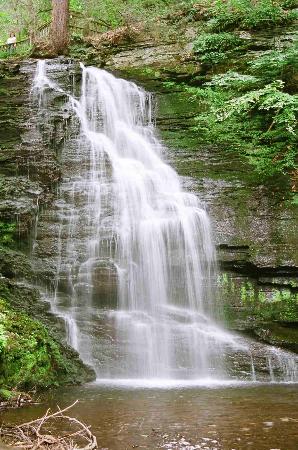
[
  {"x": 248, "y": 104},
  {"x": 243, "y": 113},
  {"x": 214, "y": 48},
  {"x": 7, "y": 233},
  {"x": 245, "y": 14}
]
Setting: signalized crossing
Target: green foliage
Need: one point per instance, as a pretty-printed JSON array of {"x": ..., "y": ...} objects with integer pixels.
[
  {"x": 207, "y": 96},
  {"x": 4, "y": 54},
  {"x": 5, "y": 394},
  {"x": 234, "y": 80},
  {"x": 20, "y": 52},
  {"x": 282, "y": 64},
  {"x": 122, "y": 12},
  {"x": 76, "y": 5},
  {"x": 253, "y": 112},
  {"x": 282, "y": 108},
  {"x": 3, "y": 337},
  {"x": 261, "y": 123},
  {"x": 217, "y": 47},
  {"x": 20, "y": 16},
  {"x": 289, "y": 4},
  {"x": 247, "y": 14},
  {"x": 82, "y": 52},
  {"x": 266, "y": 13},
  {"x": 294, "y": 199},
  {"x": 7, "y": 233}
]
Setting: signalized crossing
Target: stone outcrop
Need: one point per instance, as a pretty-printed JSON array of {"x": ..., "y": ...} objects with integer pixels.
[
  {"x": 254, "y": 223},
  {"x": 29, "y": 171},
  {"x": 254, "y": 226}
]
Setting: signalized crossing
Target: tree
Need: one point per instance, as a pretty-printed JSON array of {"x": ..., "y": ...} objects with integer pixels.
[
  {"x": 19, "y": 16},
  {"x": 60, "y": 25}
]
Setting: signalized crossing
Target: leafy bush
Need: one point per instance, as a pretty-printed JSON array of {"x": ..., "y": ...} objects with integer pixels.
[
  {"x": 225, "y": 16},
  {"x": 248, "y": 14},
  {"x": 289, "y": 4},
  {"x": 122, "y": 12},
  {"x": 234, "y": 80},
  {"x": 272, "y": 116},
  {"x": 215, "y": 48},
  {"x": 265, "y": 14},
  {"x": 7, "y": 233},
  {"x": 272, "y": 159},
  {"x": 4, "y": 54},
  {"x": 260, "y": 124},
  {"x": 282, "y": 64},
  {"x": 280, "y": 108}
]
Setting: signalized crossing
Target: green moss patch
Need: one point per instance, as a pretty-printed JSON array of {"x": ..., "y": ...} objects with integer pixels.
[
  {"x": 268, "y": 311},
  {"x": 30, "y": 357}
]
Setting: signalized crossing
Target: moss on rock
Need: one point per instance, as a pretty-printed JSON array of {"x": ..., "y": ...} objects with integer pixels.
[
  {"x": 14, "y": 263},
  {"x": 266, "y": 310},
  {"x": 30, "y": 357}
]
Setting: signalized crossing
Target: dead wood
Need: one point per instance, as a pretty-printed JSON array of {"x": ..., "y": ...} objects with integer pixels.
[{"x": 38, "y": 434}]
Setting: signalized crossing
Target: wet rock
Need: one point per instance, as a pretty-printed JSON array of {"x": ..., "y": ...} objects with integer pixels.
[
  {"x": 160, "y": 55},
  {"x": 164, "y": 62},
  {"x": 105, "y": 283},
  {"x": 266, "y": 310},
  {"x": 14, "y": 264},
  {"x": 254, "y": 226},
  {"x": 9, "y": 68},
  {"x": 29, "y": 153}
]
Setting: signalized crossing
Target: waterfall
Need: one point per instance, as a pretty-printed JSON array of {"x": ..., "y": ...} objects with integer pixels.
[{"x": 135, "y": 271}]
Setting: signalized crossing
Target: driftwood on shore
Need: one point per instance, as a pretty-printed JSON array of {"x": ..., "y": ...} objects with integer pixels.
[
  {"x": 16, "y": 401},
  {"x": 38, "y": 434}
]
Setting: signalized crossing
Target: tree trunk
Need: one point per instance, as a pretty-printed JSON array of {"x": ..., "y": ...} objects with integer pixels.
[{"x": 59, "y": 27}]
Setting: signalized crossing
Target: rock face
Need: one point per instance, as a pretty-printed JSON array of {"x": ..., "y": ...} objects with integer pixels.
[
  {"x": 148, "y": 54},
  {"x": 28, "y": 167},
  {"x": 29, "y": 171},
  {"x": 170, "y": 57},
  {"x": 255, "y": 225}
]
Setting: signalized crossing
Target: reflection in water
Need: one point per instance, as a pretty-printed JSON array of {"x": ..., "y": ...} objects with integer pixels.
[{"x": 259, "y": 418}]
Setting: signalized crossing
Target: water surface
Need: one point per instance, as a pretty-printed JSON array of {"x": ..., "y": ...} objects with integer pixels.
[{"x": 259, "y": 417}]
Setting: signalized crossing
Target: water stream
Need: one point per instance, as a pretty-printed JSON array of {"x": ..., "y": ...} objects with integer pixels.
[{"x": 135, "y": 262}]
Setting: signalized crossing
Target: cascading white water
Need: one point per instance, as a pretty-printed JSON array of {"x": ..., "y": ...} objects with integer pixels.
[
  {"x": 163, "y": 251},
  {"x": 128, "y": 225}
]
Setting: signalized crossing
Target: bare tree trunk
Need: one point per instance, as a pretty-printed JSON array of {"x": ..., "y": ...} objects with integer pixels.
[{"x": 59, "y": 27}]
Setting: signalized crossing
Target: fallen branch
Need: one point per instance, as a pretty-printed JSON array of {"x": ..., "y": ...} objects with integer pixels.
[
  {"x": 36, "y": 434},
  {"x": 17, "y": 400}
]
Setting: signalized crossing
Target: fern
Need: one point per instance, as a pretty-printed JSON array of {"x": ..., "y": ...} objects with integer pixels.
[
  {"x": 215, "y": 48},
  {"x": 282, "y": 106},
  {"x": 233, "y": 80}
]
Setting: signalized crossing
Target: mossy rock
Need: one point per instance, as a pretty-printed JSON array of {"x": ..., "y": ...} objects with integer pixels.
[
  {"x": 7, "y": 235},
  {"x": 14, "y": 264},
  {"x": 30, "y": 357},
  {"x": 26, "y": 299}
]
